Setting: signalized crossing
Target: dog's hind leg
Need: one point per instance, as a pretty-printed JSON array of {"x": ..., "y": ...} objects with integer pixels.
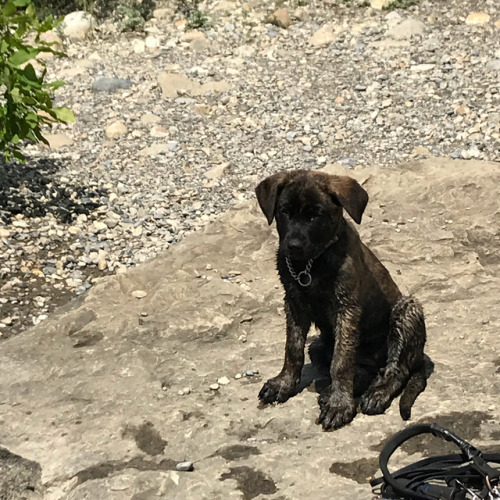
[{"x": 405, "y": 369}]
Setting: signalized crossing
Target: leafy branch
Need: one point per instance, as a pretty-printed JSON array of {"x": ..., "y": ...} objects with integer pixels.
[{"x": 25, "y": 98}]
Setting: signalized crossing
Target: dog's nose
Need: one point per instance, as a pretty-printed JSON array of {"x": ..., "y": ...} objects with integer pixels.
[{"x": 294, "y": 246}]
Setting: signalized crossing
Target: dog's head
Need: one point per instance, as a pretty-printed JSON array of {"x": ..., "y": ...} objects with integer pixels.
[{"x": 308, "y": 209}]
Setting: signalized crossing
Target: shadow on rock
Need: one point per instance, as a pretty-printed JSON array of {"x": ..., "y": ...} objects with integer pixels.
[
  {"x": 18, "y": 476},
  {"x": 361, "y": 470},
  {"x": 467, "y": 425},
  {"x": 34, "y": 191}
]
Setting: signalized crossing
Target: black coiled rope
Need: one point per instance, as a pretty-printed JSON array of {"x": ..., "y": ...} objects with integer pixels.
[{"x": 467, "y": 475}]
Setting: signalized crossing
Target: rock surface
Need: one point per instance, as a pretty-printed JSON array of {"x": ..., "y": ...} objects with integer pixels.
[
  {"x": 210, "y": 111},
  {"x": 111, "y": 393}
]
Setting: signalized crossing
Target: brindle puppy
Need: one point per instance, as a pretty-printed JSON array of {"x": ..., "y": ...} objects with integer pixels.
[{"x": 371, "y": 336}]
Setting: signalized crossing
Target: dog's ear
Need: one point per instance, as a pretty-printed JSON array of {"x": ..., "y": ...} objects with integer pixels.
[
  {"x": 268, "y": 192},
  {"x": 349, "y": 195}
]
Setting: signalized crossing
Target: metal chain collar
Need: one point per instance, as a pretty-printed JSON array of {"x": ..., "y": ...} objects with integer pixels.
[{"x": 304, "y": 278}]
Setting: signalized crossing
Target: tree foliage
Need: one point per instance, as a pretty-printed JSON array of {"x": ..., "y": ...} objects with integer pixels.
[{"x": 25, "y": 97}]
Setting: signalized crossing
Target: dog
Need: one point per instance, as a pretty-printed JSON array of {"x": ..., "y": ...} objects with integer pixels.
[{"x": 371, "y": 337}]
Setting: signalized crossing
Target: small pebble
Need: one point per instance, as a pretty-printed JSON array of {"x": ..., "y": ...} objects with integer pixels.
[
  {"x": 139, "y": 294},
  {"x": 214, "y": 387},
  {"x": 185, "y": 466},
  {"x": 238, "y": 376},
  {"x": 223, "y": 381},
  {"x": 249, "y": 373}
]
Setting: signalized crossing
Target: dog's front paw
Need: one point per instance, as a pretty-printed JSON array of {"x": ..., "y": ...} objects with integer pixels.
[
  {"x": 337, "y": 410},
  {"x": 374, "y": 402},
  {"x": 277, "y": 390}
]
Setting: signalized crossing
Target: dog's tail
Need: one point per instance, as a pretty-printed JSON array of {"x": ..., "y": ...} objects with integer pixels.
[
  {"x": 416, "y": 384},
  {"x": 408, "y": 329}
]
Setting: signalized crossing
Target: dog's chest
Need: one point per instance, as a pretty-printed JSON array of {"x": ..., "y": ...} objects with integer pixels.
[{"x": 317, "y": 302}]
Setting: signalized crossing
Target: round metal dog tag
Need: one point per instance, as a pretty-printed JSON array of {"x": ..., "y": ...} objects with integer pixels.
[{"x": 304, "y": 278}]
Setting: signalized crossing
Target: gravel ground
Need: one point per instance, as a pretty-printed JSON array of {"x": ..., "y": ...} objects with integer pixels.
[{"x": 143, "y": 166}]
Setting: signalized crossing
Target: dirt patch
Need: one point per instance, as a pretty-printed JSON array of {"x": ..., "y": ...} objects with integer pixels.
[
  {"x": 147, "y": 438},
  {"x": 106, "y": 469},
  {"x": 237, "y": 451},
  {"x": 361, "y": 470},
  {"x": 251, "y": 482}
]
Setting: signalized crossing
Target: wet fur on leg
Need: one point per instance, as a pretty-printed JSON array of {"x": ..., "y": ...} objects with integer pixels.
[{"x": 403, "y": 371}]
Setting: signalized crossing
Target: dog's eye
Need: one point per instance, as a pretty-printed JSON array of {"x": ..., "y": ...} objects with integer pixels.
[
  {"x": 284, "y": 211},
  {"x": 314, "y": 215}
]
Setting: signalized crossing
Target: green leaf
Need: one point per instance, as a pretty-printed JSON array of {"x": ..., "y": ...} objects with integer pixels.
[
  {"x": 55, "y": 85},
  {"x": 22, "y": 27},
  {"x": 21, "y": 56},
  {"x": 15, "y": 95},
  {"x": 30, "y": 11},
  {"x": 64, "y": 115},
  {"x": 39, "y": 136},
  {"x": 48, "y": 23},
  {"x": 21, "y": 3},
  {"x": 30, "y": 73},
  {"x": 9, "y": 9},
  {"x": 32, "y": 119},
  {"x": 18, "y": 156}
]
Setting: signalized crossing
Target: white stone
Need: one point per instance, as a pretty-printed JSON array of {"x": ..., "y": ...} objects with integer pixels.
[
  {"x": 100, "y": 226},
  {"x": 138, "y": 46},
  {"x": 477, "y": 18},
  {"x": 324, "y": 36},
  {"x": 152, "y": 42},
  {"x": 77, "y": 25},
  {"x": 57, "y": 141},
  {"x": 115, "y": 130},
  {"x": 379, "y": 4},
  {"x": 422, "y": 68},
  {"x": 406, "y": 29}
]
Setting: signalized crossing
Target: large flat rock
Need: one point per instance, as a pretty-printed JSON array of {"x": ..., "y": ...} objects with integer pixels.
[{"x": 91, "y": 396}]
